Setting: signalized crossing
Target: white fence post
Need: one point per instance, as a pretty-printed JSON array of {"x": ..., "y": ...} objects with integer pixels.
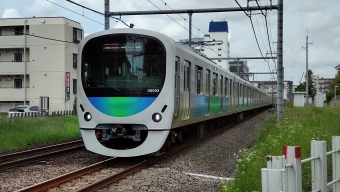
[
  {"x": 292, "y": 168},
  {"x": 272, "y": 176},
  {"x": 271, "y": 180},
  {"x": 275, "y": 162},
  {"x": 336, "y": 162},
  {"x": 319, "y": 166}
]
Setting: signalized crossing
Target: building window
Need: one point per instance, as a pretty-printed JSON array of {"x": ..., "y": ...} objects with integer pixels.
[
  {"x": 17, "y": 57},
  {"x": 17, "y": 83},
  {"x": 75, "y": 60},
  {"x": 0, "y": 31},
  {"x": 219, "y": 60},
  {"x": 74, "y": 86},
  {"x": 219, "y": 49},
  {"x": 77, "y": 35},
  {"x": 19, "y": 30},
  {"x": 219, "y": 54}
]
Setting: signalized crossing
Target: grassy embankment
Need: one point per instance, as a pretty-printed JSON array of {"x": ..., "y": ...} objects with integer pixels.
[
  {"x": 298, "y": 127},
  {"x": 18, "y": 133}
]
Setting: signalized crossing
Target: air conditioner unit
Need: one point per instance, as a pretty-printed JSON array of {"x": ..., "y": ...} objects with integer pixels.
[{"x": 8, "y": 78}]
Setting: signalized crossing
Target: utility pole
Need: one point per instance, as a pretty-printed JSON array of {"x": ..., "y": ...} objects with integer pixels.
[
  {"x": 306, "y": 48},
  {"x": 279, "y": 60},
  {"x": 107, "y": 14}
]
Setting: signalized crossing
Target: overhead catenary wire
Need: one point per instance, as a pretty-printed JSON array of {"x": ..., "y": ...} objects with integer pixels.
[
  {"x": 252, "y": 25},
  {"x": 181, "y": 16},
  {"x": 265, "y": 17},
  {"x": 269, "y": 35},
  {"x": 166, "y": 5},
  {"x": 251, "y": 21},
  {"x": 75, "y": 12},
  {"x": 117, "y": 19},
  {"x": 171, "y": 18}
]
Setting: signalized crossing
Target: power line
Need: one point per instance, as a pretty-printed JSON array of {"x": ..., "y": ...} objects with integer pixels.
[
  {"x": 75, "y": 12},
  {"x": 268, "y": 35},
  {"x": 37, "y": 36},
  {"x": 118, "y": 19},
  {"x": 266, "y": 26},
  {"x": 180, "y": 15},
  {"x": 252, "y": 25},
  {"x": 251, "y": 21},
  {"x": 170, "y": 17},
  {"x": 189, "y": 23}
]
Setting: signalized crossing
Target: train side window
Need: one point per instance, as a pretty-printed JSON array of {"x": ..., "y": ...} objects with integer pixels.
[
  {"x": 207, "y": 82},
  {"x": 221, "y": 85},
  {"x": 226, "y": 87},
  {"x": 187, "y": 76},
  {"x": 198, "y": 74},
  {"x": 214, "y": 83}
]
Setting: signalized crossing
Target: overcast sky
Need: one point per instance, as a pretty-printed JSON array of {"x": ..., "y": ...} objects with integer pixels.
[{"x": 322, "y": 18}]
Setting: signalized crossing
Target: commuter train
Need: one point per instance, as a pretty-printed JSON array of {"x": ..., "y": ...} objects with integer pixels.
[{"x": 139, "y": 92}]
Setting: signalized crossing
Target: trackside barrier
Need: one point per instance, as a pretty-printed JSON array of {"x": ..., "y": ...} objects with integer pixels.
[
  {"x": 283, "y": 173},
  {"x": 39, "y": 114}
]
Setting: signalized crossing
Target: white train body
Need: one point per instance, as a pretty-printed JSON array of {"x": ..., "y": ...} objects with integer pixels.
[{"x": 134, "y": 86}]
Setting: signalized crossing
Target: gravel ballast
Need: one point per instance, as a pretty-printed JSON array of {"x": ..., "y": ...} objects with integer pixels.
[{"x": 214, "y": 157}]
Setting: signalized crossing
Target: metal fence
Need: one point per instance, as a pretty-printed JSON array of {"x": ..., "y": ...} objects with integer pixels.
[
  {"x": 39, "y": 114},
  {"x": 283, "y": 173}
]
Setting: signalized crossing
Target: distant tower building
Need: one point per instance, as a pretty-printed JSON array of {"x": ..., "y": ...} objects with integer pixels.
[
  {"x": 240, "y": 68},
  {"x": 215, "y": 44}
]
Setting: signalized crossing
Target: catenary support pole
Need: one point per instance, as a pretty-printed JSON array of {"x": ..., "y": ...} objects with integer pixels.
[
  {"x": 107, "y": 14},
  {"x": 190, "y": 20},
  {"x": 238, "y": 67},
  {"x": 279, "y": 60}
]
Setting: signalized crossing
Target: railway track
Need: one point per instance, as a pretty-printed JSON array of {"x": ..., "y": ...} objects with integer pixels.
[
  {"x": 12, "y": 160},
  {"x": 121, "y": 174}
]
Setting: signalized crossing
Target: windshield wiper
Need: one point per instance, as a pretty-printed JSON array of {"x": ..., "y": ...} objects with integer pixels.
[
  {"x": 139, "y": 89},
  {"x": 110, "y": 86}
]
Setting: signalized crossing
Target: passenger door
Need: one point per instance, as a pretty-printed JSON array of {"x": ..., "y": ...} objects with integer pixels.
[
  {"x": 177, "y": 88},
  {"x": 207, "y": 90},
  {"x": 186, "y": 91}
]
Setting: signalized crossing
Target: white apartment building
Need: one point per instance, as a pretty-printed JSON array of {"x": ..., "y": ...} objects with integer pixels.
[
  {"x": 38, "y": 58},
  {"x": 217, "y": 43}
]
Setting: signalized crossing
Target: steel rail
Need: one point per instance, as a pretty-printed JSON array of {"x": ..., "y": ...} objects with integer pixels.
[
  {"x": 130, "y": 170},
  {"x": 16, "y": 155},
  {"x": 32, "y": 159},
  {"x": 69, "y": 176},
  {"x": 133, "y": 169},
  {"x": 25, "y": 161}
]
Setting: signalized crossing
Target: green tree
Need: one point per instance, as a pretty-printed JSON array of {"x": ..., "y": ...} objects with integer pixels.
[
  {"x": 335, "y": 82},
  {"x": 311, "y": 87}
]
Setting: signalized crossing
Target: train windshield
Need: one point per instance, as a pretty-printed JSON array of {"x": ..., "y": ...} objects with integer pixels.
[{"x": 123, "y": 65}]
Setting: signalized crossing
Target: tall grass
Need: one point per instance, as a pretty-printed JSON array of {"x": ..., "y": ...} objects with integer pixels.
[
  {"x": 298, "y": 127},
  {"x": 17, "y": 133}
]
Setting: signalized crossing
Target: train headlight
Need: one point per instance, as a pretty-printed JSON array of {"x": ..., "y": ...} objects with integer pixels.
[
  {"x": 87, "y": 116},
  {"x": 156, "y": 117}
]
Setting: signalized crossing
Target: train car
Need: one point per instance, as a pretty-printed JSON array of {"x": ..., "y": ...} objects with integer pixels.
[{"x": 139, "y": 91}]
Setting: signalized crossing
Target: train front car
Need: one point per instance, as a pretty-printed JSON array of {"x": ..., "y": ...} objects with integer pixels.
[{"x": 125, "y": 99}]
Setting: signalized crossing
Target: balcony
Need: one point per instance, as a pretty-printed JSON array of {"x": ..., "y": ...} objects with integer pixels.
[
  {"x": 8, "y": 68},
  {"x": 11, "y": 94},
  {"x": 12, "y": 41}
]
